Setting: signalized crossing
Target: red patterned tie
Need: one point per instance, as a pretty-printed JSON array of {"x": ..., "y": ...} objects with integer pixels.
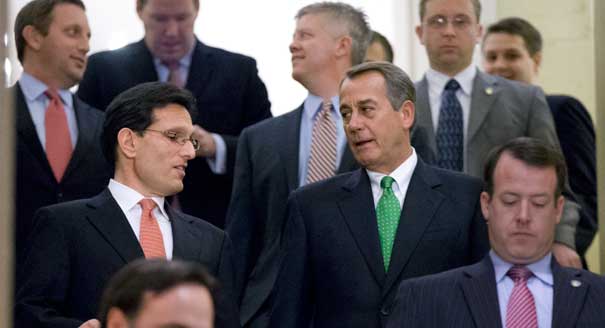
[
  {"x": 58, "y": 140},
  {"x": 521, "y": 309},
  {"x": 174, "y": 75},
  {"x": 322, "y": 159},
  {"x": 150, "y": 233}
]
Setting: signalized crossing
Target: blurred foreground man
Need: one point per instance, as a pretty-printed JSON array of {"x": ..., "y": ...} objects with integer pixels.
[
  {"x": 351, "y": 239},
  {"x": 520, "y": 283},
  {"x": 77, "y": 246}
]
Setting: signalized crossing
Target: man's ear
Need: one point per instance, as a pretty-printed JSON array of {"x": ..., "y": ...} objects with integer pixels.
[
  {"x": 419, "y": 32},
  {"x": 343, "y": 47},
  {"x": 117, "y": 319},
  {"x": 127, "y": 141},
  {"x": 33, "y": 37},
  {"x": 485, "y": 199},
  {"x": 408, "y": 111}
]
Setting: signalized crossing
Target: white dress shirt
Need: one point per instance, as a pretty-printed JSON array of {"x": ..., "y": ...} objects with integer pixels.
[
  {"x": 402, "y": 176},
  {"x": 540, "y": 285},
  {"x": 128, "y": 199},
  {"x": 436, "y": 83}
]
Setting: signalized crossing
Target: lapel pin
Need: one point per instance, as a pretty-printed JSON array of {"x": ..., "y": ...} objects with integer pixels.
[
  {"x": 576, "y": 283},
  {"x": 489, "y": 91}
]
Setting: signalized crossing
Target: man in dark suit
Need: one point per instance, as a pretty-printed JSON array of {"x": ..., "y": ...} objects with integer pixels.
[
  {"x": 463, "y": 113},
  {"x": 275, "y": 156},
  {"x": 52, "y": 45},
  {"x": 226, "y": 85},
  {"x": 520, "y": 283},
  {"x": 78, "y": 245},
  {"x": 351, "y": 239},
  {"x": 512, "y": 48}
]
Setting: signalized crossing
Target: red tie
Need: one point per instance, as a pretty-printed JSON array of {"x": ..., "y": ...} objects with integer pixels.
[
  {"x": 150, "y": 234},
  {"x": 521, "y": 309},
  {"x": 58, "y": 140}
]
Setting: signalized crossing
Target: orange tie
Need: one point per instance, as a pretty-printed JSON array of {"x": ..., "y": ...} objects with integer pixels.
[
  {"x": 58, "y": 140},
  {"x": 150, "y": 234}
]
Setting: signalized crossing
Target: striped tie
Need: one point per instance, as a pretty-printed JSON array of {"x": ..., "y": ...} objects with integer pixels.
[
  {"x": 322, "y": 160},
  {"x": 150, "y": 234},
  {"x": 521, "y": 309}
]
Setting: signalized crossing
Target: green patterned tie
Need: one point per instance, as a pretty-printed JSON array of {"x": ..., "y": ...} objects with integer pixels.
[{"x": 387, "y": 212}]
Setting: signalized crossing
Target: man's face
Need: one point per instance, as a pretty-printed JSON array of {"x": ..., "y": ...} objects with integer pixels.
[
  {"x": 159, "y": 162},
  {"x": 313, "y": 48},
  {"x": 169, "y": 27},
  {"x": 64, "y": 48},
  {"x": 506, "y": 55},
  {"x": 449, "y": 31},
  {"x": 376, "y": 52},
  {"x": 377, "y": 134},
  {"x": 522, "y": 213}
]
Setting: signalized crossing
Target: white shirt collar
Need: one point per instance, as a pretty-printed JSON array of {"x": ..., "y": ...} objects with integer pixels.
[
  {"x": 541, "y": 268},
  {"x": 127, "y": 198},
  {"x": 465, "y": 78}
]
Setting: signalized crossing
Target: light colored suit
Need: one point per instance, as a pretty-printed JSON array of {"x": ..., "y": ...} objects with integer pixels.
[{"x": 500, "y": 110}]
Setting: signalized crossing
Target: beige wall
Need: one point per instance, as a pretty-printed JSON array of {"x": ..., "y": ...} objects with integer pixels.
[
  {"x": 599, "y": 10},
  {"x": 569, "y": 59},
  {"x": 6, "y": 176}
]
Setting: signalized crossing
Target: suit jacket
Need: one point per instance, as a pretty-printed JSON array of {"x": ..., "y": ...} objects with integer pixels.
[
  {"x": 86, "y": 175},
  {"x": 332, "y": 273},
  {"x": 266, "y": 172},
  {"x": 577, "y": 137},
  {"x": 468, "y": 297},
  {"x": 500, "y": 110},
  {"x": 77, "y": 246},
  {"x": 229, "y": 94}
]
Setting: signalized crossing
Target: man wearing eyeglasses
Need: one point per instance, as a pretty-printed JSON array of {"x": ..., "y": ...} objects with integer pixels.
[
  {"x": 77, "y": 246},
  {"x": 463, "y": 113}
]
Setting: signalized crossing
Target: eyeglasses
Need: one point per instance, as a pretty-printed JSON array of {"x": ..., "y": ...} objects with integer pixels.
[
  {"x": 458, "y": 22},
  {"x": 178, "y": 138}
]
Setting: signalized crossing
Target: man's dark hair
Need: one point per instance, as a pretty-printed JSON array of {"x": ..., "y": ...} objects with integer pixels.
[
  {"x": 37, "y": 13},
  {"x": 399, "y": 85},
  {"x": 126, "y": 290},
  {"x": 531, "y": 151},
  {"x": 142, "y": 3},
  {"x": 520, "y": 27},
  {"x": 476, "y": 6},
  {"x": 134, "y": 108},
  {"x": 385, "y": 44}
]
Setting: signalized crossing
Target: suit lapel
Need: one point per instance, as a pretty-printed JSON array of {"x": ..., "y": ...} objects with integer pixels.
[
  {"x": 418, "y": 211},
  {"x": 567, "y": 299},
  {"x": 27, "y": 132},
  {"x": 485, "y": 92},
  {"x": 423, "y": 114},
  {"x": 141, "y": 64},
  {"x": 479, "y": 289},
  {"x": 185, "y": 245},
  {"x": 86, "y": 131},
  {"x": 200, "y": 72},
  {"x": 362, "y": 222},
  {"x": 110, "y": 221},
  {"x": 289, "y": 151}
]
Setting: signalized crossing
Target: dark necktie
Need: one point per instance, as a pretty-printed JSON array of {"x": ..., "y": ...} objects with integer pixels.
[
  {"x": 58, "y": 140},
  {"x": 322, "y": 159},
  {"x": 521, "y": 309},
  {"x": 449, "y": 130}
]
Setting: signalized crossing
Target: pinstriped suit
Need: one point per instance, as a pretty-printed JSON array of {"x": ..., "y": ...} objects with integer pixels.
[{"x": 467, "y": 297}]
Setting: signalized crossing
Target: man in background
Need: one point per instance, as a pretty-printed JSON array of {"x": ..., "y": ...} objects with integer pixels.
[
  {"x": 512, "y": 48},
  {"x": 303, "y": 146},
  {"x": 228, "y": 91},
  {"x": 463, "y": 113},
  {"x": 520, "y": 283},
  {"x": 58, "y": 156},
  {"x": 380, "y": 49}
]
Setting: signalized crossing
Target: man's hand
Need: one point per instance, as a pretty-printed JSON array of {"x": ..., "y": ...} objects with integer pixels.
[
  {"x": 92, "y": 323},
  {"x": 566, "y": 256},
  {"x": 207, "y": 145}
]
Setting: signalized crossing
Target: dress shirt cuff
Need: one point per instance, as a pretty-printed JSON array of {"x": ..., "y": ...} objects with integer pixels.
[
  {"x": 218, "y": 164},
  {"x": 565, "y": 232}
]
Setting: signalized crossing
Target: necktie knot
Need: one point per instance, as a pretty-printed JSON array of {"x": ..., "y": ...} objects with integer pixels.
[
  {"x": 172, "y": 64},
  {"x": 386, "y": 182},
  {"x": 519, "y": 273},
  {"x": 452, "y": 85},
  {"x": 52, "y": 94},
  {"x": 147, "y": 204}
]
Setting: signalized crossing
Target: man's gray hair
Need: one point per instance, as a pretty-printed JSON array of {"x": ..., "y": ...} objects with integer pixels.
[
  {"x": 399, "y": 85},
  {"x": 355, "y": 21}
]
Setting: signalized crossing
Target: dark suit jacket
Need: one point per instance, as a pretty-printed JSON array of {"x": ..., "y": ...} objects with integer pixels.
[
  {"x": 577, "y": 137},
  {"x": 86, "y": 175},
  {"x": 332, "y": 273},
  {"x": 468, "y": 297},
  {"x": 77, "y": 246},
  {"x": 229, "y": 94},
  {"x": 266, "y": 172}
]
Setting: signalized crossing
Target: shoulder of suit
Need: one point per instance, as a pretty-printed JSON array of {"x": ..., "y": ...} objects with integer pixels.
[
  {"x": 456, "y": 178},
  {"x": 271, "y": 123},
  {"x": 93, "y": 111},
  {"x": 201, "y": 224},
  {"x": 124, "y": 53},
  {"x": 226, "y": 54}
]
